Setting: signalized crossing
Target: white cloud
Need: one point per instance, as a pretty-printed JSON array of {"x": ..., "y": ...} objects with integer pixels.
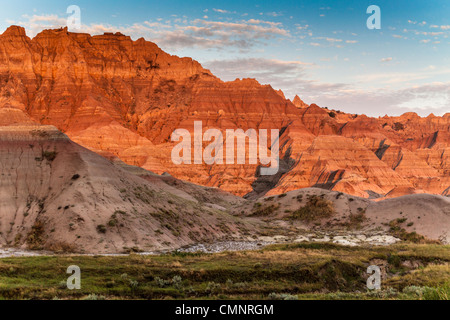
[
  {"x": 386, "y": 59},
  {"x": 178, "y": 33},
  {"x": 278, "y": 73},
  {"x": 423, "y": 99},
  {"x": 221, "y": 11}
]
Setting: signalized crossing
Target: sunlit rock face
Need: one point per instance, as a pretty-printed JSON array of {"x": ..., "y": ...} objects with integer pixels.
[{"x": 125, "y": 98}]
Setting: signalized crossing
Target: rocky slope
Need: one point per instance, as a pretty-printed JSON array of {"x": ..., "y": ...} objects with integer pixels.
[
  {"x": 59, "y": 196},
  {"x": 124, "y": 98}
]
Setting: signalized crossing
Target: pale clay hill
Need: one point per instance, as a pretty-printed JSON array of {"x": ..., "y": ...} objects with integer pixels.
[
  {"x": 59, "y": 196},
  {"x": 125, "y": 98}
]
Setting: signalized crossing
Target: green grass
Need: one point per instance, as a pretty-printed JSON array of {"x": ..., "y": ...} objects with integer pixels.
[{"x": 303, "y": 271}]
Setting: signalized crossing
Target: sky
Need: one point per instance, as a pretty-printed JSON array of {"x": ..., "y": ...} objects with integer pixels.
[{"x": 321, "y": 50}]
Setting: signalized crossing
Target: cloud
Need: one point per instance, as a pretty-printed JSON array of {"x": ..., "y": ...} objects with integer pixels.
[
  {"x": 424, "y": 99},
  {"x": 37, "y": 23},
  {"x": 278, "y": 73},
  {"x": 178, "y": 33},
  {"x": 302, "y": 27},
  {"x": 293, "y": 77},
  {"x": 221, "y": 11},
  {"x": 399, "y": 78},
  {"x": 274, "y": 14},
  {"x": 443, "y": 27}
]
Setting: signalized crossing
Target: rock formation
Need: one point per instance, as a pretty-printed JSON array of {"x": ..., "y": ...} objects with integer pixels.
[{"x": 124, "y": 98}]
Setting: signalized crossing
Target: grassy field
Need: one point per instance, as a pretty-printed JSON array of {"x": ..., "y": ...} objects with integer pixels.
[{"x": 297, "y": 271}]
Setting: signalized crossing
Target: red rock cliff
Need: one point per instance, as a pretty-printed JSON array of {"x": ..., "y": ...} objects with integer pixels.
[{"x": 124, "y": 97}]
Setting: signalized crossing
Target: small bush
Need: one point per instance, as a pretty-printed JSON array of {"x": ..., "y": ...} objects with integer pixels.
[
  {"x": 176, "y": 282},
  {"x": 94, "y": 297},
  {"x": 212, "y": 287},
  {"x": 265, "y": 211},
  {"x": 49, "y": 155},
  {"x": 133, "y": 284},
  {"x": 316, "y": 208},
  {"x": 398, "y": 126},
  {"x": 101, "y": 228},
  {"x": 282, "y": 296}
]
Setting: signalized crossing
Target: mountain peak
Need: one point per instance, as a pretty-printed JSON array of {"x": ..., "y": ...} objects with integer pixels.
[
  {"x": 15, "y": 31},
  {"x": 299, "y": 102}
]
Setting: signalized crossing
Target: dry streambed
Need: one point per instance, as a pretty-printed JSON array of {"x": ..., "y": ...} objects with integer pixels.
[{"x": 347, "y": 239}]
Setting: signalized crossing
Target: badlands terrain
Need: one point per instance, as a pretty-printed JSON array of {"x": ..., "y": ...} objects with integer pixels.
[
  {"x": 125, "y": 98},
  {"x": 85, "y": 149}
]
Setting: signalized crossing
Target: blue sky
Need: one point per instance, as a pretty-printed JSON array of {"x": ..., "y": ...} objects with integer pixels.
[{"x": 320, "y": 50}]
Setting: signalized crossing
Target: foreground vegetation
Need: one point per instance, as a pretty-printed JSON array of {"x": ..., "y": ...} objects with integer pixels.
[{"x": 296, "y": 271}]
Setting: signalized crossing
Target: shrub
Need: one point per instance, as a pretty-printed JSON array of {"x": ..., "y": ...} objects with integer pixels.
[
  {"x": 94, "y": 297},
  {"x": 397, "y": 126},
  {"x": 282, "y": 296},
  {"x": 316, "y": 208},
  {"x": 49, "y": 155},
  {"x": 113, "y": 222},
  {"x": 177, "y": 282},
  {"x": 439, "y": 293},
  {"x": 212, "y": 287},
  {"x": 134, "y": 284},
  {"x": 414, "y": 290},
  {"x": 265, "y": 211},
  {"x": 355, "y": 220},
  {"x": 397, "y": 231},
  {"x": 101, "y": 228},
  {"x": 35, "y": 237}
]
